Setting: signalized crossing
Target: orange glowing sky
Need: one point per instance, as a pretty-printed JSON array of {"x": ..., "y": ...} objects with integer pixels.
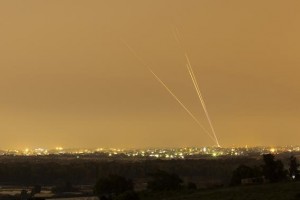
[{"x": 67, "y": 79}]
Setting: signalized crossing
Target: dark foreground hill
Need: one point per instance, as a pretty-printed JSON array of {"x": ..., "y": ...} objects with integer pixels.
[
  {"x": 276, "y": 191},
  {"x": 49, "y": 170}
]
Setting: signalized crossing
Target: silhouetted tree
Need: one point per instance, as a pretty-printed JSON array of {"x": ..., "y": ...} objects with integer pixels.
[
  {"x": 66, "y": 187},
  {"x": 293, "y": 170},
  {"x": 162, "y": 180},
  {"x": 113, "y": 184},
  {"x": 273, "y": 170},
  {"x": 24, "y": 195},
  {"x": 35, "y": 190},
  {"x": 191, "y": 186},
  {"x": 243, "y": 172},
  {"x": 297, "y": 196},
  {"x": 105, "y": 197},
  {"x": 129, "y": 195}
]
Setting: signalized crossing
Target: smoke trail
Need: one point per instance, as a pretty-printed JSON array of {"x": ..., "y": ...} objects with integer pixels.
[
  {"x": 176, "y": 36},
  {"x": 177, "y": 33},
  {"x": 194, "y": 80},
  {"x": 183, "y": 106},
  {"x": 166, "y": 87},
  {"x": 191, "y": 72}
]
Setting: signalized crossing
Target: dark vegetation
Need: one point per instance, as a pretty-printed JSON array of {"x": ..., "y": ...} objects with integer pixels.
[
  {"x": 271, "y": 171},
  {"x": 294, "y": 171},
  {"x": 113, "y": 185},
  {"x": 244, "y": 172},
  {"x": 64, "y": 187},
  {"x": 35, "y": 170},
  {"x": 274, "y": 191},
  {"x": 161, "y": 179}
]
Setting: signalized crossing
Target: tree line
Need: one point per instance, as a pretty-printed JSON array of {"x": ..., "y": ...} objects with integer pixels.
[
  {"x": 47, "y": 172},
  {"x": 272, "y": 170},
  {"x": 115, "y": 187}
]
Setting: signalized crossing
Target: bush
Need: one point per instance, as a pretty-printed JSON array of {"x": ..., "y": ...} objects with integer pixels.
[
  {"x": 36, "y": 189},
  {"x": 297, "y": 196},
  {"x": 129, "y": 195},
  {"x": 294, "y": 168},
  {"x": 66, "y": 187},
  {"x": 162, "y": 180},
  {"x": 273, "y": 170},
  {"x": 191, "y": 186},
  {"x": 112, "y": 184},
  {"x": 243, "y": 172}
]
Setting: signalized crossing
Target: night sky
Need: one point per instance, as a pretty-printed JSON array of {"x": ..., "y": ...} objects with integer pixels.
[{"x": 68, "y": 79}]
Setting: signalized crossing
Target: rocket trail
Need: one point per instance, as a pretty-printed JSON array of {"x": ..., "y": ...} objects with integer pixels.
[
  {"x": 191, "y": 72},
  {"x": 171, "y": 93},
  {"x": 176, "y": 36},
  {"x": 194, "y": 80},
  {"x": 183, "y": 106}
]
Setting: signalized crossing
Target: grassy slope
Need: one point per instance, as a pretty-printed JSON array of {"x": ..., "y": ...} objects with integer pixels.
[{"x": 278, "y": 191}]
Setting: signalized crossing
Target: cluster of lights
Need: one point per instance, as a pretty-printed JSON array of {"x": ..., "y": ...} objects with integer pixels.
[{"x": 163, "y": 153}]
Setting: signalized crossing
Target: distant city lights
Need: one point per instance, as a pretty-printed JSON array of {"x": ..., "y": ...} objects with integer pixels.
[{"x": 154, "y": 153}]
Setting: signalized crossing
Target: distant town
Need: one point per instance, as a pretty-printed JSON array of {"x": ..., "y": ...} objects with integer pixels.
[
  {"x": 154, "y": 153},
  {"x": 149, "y": 173}
]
